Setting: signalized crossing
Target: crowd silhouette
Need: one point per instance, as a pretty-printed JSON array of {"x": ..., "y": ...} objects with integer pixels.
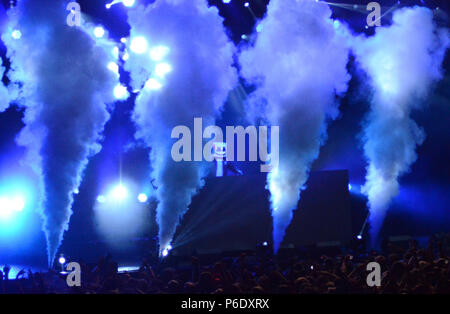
[{"x": 410, "y": 270}]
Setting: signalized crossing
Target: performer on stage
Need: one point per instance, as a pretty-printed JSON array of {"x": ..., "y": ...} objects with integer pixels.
[{"x": 223, "y": 167}]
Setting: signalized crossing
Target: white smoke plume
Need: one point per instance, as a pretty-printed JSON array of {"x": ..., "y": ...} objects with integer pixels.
[
  {"x": 403, "y": 61},
  {"x": 59, "y": 75},
  {"x": 188, "y": 36},
  {"x": 4, "y": 97},
  {"x": 298, "y": 64}
]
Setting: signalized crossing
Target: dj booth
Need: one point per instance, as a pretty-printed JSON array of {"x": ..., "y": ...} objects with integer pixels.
[{"x": 233, "y": 213}]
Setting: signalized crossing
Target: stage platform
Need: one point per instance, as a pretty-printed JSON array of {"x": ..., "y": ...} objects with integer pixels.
[{"x": 233, "y": 213}]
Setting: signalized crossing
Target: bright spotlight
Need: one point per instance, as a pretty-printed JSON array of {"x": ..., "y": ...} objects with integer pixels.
[
  {"x": 16, "y": 34},
  {"x": 101, "y": 199},
  {"x": 119, "y": 192},
  {"x": 349, "y": 187},
  {"x": 10, "y": 205},
  {"x": 162, "y": 69},
  {"x": 166, "y": 251},
  {"x": 5, "y": 208},
  {"x": 139, "y": 45},
  {"x": 246, "y": 4},
  {"x": 120, "y": 92},
  {"x": 159, "y": 52},
  {"x": 115, "y": 52},
  {"x": 125, "y": 56},
  {"x": 128, "y": 3},
  {"x": 113, "y": 67},
  {"x": 62, "y": 260},
  {"x": 142, "y": 198},
  {"x": 17, "y": 204},
  {"x": 226, "y": 1},
  {"x": 359, "y": 237},
  {"x": 336, "y": 24},
  {"x": 153, "y": 84},
  {"x": 264, "y": 243},
  {"x": 109, "y": 5},
  {"x": 99, "y": 32}
]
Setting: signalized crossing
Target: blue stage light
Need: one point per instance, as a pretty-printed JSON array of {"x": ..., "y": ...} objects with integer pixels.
[
  {"x": 120, "y": 92},
  {"x": 101, "y": 199},
  {"x": 128, "y": 3},
  {"x": 9, "y": 205},
  {"x": 17, "y": 204},
  {"x": 246, "y": 4},
  {"x": 158, "y": 53},
  {"x": 62, "y": 260},
  {"x": 264, "y": 243},
  {"x": 142, "y": 198},
  {"x": 18, "y": 220},
  {"x": 162, "y": 69},
  {"x": 336, "y": 24},
  {"x": 349, "y": 187},
  {"x": 139, "y": 45},
  {"x": 16, "y": 34},
  {"x": 113, "y": 67},
  {"x": 115, "y": 52},
  {"x": 109, "y": 5},
  {"x": 359, "y": 237},
  {"x": 99, "y": 32},
  {"x": 166, "y": 251},
  {"x": 5, "y": 208},
  {"x": 153, "y": 84},
  {"x": 119, "y": 192},
  {"x": 226, "y": 1}
]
